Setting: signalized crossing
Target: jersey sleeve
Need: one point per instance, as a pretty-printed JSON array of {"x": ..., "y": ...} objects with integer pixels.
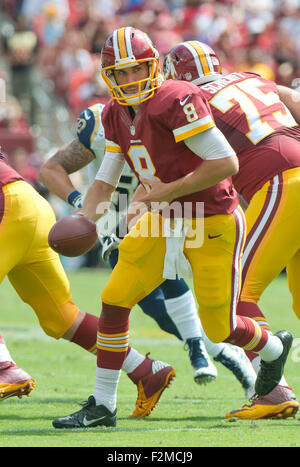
[
  {"x": 188, "y": 112},
  {"x": 86, "y": 124}
]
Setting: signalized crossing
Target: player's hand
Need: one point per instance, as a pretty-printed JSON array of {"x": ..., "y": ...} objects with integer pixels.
[
  {"x": 109, "y": 243},
  {"x": 156, "y": 192}
]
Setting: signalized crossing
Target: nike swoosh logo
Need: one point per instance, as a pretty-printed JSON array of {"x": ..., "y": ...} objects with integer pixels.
[
  {"x": 214, "y": 236},
  {"x": 86, "y": 115},
  {"x": 86, "y": 422},
  {"x": 182, "y": 102}
]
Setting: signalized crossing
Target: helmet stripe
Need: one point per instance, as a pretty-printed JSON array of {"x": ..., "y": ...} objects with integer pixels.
[
  {"x": 115, "y": 44},
  {"x": 202, "y": 57},
  {"x": 207, "y": 52},
  {"x": 128, "y": 41},
  {"x": 195, "y": 56},
  {"x": 122, "y": 43}
]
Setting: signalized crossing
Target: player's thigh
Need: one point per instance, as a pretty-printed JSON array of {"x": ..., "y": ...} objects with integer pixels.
[
  {"x": 293, "y": 276},
  {"x": 139, "y": 269},
  {"x": 272, "y": 234},
  {"x": 16, "y": 226},
  {"x": 216, "y": 273},
  {"x": 45, "y": 287}
]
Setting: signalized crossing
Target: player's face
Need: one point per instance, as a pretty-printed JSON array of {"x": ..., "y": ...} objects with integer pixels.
[{"x": 132, "y": 75}]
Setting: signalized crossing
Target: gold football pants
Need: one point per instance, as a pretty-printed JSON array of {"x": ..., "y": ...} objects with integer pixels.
[
  {"x": 32, "y": 267},
  {"x": 273, "y": 237},
  {"x": 215, "y": 265}
]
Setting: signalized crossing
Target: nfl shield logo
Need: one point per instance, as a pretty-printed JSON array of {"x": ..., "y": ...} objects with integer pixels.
[
  {"x": 132, "y": 130},
  {"x": 188, "y": 76}
]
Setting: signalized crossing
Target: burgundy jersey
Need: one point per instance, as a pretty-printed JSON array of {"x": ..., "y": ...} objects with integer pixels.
[
  {"x": 7, "y": 173},
  {"x": 152, "y": 142},
  {"x": 247, "y": 109}
]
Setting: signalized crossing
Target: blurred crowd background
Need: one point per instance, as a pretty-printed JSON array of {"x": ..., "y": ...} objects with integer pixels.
[{"x": 50, "y": 54}]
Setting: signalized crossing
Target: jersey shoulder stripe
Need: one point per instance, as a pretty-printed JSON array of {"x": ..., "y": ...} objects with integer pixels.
[
  {"x": 193, "y": 128},
  {"x": 113, "y": 147}
]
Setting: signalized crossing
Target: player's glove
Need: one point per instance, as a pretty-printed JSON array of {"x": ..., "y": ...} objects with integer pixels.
[
  {"x": 75, "y": 199},
  {"x": 109, "y": 243}
]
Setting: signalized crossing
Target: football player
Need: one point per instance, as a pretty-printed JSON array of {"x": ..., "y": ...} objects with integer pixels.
[
  {"x": 172, "y": 304},
  {"x": 166, "y": 133},
  {"x": 250, "y": 112},
  {"x": 36, "y": 273}
]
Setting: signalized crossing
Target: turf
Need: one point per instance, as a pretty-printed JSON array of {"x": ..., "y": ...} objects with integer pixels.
[{"x": 188, "y": 415}]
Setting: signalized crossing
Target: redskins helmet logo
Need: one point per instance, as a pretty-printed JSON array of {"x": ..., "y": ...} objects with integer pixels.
[{"x": 169, "y": 71}]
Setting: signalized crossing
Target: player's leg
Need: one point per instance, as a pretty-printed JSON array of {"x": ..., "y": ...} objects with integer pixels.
[
  {"x": 143, "y": 371},
  {"x": 41, "y": 282},
  {"x": 39, "y": 277},
  {"x": 14, "y": 381},
  {"x": 141, "y": 259},
  {"x": 14, "y": 241},
  {"x": 180, "y": 306},
  {"x": 216, "y": 268},
  {"x": 272, "y": 221},
  {"x": 171, "y": 305},
  {"x": 153, "y": 305}
]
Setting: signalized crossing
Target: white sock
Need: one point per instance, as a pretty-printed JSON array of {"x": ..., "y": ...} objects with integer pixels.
[
  {"x": 256, "y": 362},
  {"x": 106, "y": 386},
  {"x": 213, "y": 349},
  {"x": 182, "y": 310},
  {"x": 4, "y": 354},
  {"x": 272, "y": 350},
  {"x": 132, "y": 361}
]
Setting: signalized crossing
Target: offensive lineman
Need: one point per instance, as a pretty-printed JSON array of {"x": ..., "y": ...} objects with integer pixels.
[{"x": 266, "y": 138}]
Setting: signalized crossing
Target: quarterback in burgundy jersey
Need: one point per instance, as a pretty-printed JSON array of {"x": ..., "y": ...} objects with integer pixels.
[
  {"x": 166, "y": 133},
  {"x": 248, "y": 110},
  {"x": 175, "y": 112}
]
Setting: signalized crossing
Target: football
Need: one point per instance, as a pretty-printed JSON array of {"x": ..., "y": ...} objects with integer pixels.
[{"x": 73, "y": 235}]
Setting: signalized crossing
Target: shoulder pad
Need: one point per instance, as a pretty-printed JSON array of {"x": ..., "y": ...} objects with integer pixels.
[{"x": 85, "y": 127}]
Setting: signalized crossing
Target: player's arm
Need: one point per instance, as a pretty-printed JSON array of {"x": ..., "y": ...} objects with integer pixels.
[
  {"x": 291, "y": 98},
  {"x": 55, "y": 172},
  {"x": 219, "y": 162},
  {"x": 98, "y": 198}
]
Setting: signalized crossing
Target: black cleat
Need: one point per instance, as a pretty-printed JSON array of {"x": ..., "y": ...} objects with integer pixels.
[
  {"x": 270, "y": 373},
  {"x": 89, "y": 416}
]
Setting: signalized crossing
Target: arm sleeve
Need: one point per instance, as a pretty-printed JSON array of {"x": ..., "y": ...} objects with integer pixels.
[
  {"x": 210, "y": 145},
  {"x": 111, "y": 168}
]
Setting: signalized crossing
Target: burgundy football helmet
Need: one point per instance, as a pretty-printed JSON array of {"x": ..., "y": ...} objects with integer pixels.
[
  {"x": 127, "y": 47},
  {"x": 192, "y": 61}
]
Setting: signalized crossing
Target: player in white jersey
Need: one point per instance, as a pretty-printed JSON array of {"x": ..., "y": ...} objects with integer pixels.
[{"x": 172, "y": 305}]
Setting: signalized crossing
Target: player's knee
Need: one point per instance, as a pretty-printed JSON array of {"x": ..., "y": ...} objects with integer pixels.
[
  {"x": 216, "y": 331},
  {"x": 56, "y": 324},
  {"x": 116, "y": 295}
]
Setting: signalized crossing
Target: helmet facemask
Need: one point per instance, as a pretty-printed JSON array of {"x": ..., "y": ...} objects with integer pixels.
[
  {"x": 129, "y": 47},
  {"x": 146, "y": 86}
]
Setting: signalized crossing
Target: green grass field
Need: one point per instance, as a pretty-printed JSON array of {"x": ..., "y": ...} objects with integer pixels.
[{"x": 188, "y": 415}]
